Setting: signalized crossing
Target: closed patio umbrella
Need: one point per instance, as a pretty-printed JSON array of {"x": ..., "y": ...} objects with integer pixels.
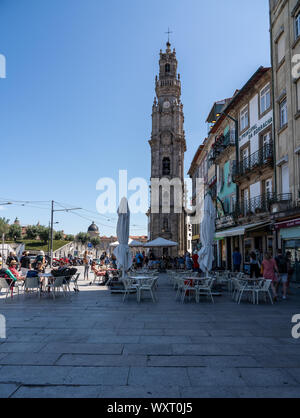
[
  {"x": 122, "y": 251},
  {"x": 207, "y": 234}
]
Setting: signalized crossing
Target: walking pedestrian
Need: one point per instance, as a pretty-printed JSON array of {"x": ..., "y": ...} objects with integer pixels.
[
  {"x": 290, "y": 271},
  {"x": 237, "y": 260},
  {"x": 86, "y": 263},
  {"x": 282, "y": 263},
  {"x": 195, "y": 258},
  {"x": 269, "y": 270},
  {"x": 255, "y": 266}
]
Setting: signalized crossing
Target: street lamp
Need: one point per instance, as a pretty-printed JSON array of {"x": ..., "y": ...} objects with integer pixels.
[
  {"x": 49, "y": 236},
  {"x": 52, "y": 223},
  {"x": 3, "y": 235}
]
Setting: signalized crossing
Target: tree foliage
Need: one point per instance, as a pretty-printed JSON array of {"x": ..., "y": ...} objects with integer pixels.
[
  {"x": 4, "y": 226},
  {"x": 59, "y": 235},
  {"x": 70, "y": 238},
  {"x": 14, "y": 232},
  {"x": 95, "y": 241},
  {"x": 43, "y": 233},
  {"x": 83, "y": 238},
  {"x": 32, "y": 232}
]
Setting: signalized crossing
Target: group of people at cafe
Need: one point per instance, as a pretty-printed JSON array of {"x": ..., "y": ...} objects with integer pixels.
[
  {"x": 278, "y": 269},
  {"x": 19, "y": 270}
]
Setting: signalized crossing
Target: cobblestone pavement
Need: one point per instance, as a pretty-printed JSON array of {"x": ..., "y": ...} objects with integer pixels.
[{"x": 90, "y": 344}]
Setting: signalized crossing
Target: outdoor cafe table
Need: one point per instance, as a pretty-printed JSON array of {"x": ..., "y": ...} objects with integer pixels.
[{"x": 45, "y": 278}]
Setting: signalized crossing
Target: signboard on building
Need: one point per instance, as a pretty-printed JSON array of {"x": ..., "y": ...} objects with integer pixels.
[
  {"x": 288, "y": 224},
  {"x": 256, "y": 129}
]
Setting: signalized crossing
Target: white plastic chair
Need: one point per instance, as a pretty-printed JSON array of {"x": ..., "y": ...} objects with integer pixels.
[
  {"x": 130, "y": 287},
  {"x": 57, "y": 285},
  {"x": 205, "y": 289},
  {"x": 8, "y": 287},
  {"x": 188, "y": 286},
  {"x": 247, "y": 289},
  {"x": 147, "y": 285},
  {"x": 32, "y": 284},
  {"x": 237, "y": 287},
  {"x": 263, "y": 289}
]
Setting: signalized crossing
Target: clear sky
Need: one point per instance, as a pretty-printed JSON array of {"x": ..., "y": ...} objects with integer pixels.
[{"x": 76, "y": 103}]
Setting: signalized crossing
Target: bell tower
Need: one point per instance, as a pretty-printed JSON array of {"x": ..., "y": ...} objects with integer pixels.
[{"x": 168, "y": 146}]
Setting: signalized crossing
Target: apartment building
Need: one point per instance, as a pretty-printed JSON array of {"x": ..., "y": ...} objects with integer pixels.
[
  {"x": 285, "y": 48},
  {"x": 243, "y": 154}
]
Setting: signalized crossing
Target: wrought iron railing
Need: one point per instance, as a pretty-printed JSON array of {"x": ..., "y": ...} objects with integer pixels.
[
  {"x": 260, "y": 158},
  {"x": 261, "y": 204},
  {"x": 223, "y": 142}
]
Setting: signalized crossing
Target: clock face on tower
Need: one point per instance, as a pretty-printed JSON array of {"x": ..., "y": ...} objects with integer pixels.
[{"x": 166, "y": 105}]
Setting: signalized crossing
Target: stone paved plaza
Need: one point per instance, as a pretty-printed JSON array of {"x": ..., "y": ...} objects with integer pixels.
[{"x": 93, "y": 345}]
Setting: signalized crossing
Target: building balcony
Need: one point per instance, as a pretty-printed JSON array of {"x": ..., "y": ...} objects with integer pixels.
[
  {"x": 262, "y": 204},
  {"x": 255, "y": 162},
  {"x": 223, "y": 143}
]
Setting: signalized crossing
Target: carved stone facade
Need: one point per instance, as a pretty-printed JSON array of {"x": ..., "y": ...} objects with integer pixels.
[{"x": 167, "y": 153}]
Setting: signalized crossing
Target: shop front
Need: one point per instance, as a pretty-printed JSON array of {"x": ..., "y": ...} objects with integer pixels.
[
  {"x": 289, "y": 237},
  {"x": 256, "y": 238}
]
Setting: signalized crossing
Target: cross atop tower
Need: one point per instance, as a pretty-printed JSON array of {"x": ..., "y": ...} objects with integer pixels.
[{"x": 168, "y": 33}]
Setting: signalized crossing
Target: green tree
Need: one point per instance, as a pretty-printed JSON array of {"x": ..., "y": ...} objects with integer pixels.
[
  {"x": 83, "y": 238},
  {"x": 15, "y": 232},
  {"x": 4, "y": 226},
  {"x": 70, "y": 238},
  {"x": 59, "y": 235},
  {"x": 32, "y": 232},
  {"x": 95, "y": 241},
  {"x": 43, "y": 233}
]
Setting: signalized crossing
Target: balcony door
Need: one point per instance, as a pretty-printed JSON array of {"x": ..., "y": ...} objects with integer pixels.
[
  {"x": 268, "y": 187},
  {"x": 268, "y": 192},
  {"x": 245, "y": 199},
  {"x": 266, "y": 146},
  {"x": 285, "y": 179},
  {"x": 245, "y": 158}
]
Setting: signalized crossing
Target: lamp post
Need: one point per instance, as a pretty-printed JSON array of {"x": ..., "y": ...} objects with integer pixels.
[
  {"x": 3, "y": 235},
  {"x": 49, "y": 236},
  {"x": 51, "y": 227}
]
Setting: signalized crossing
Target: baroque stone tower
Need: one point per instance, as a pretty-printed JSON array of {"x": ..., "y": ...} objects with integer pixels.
[{"x": 167, "y": 154}]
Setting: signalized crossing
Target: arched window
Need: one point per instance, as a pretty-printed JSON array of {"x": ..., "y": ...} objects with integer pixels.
[
  {"x": 166, "y": 167},
  {"x": 167, "y": 68}
]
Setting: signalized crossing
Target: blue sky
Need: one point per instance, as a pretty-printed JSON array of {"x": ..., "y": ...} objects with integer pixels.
[{"x": 76, "y": 103}]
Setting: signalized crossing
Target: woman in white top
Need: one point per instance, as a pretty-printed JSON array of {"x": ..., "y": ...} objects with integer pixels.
[{"x": 86, "y": 263}]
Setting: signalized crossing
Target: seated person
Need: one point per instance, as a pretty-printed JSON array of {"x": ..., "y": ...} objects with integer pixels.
[
  {"x": 12, "y": 275},
  {"x": 39, "y": 267},
  {"x": 13, "y": 269},
  {"x": 96, "y": 270}
]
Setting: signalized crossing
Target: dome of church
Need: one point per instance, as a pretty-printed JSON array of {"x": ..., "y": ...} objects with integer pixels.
[{"x": 93, "y": 228}]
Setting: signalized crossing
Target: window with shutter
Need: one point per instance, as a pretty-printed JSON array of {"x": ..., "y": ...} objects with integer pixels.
[{"x": 281, "y": 48}]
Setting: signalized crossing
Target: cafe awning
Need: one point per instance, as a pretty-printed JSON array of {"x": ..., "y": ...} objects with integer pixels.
[{"x": 239, "y": 230}]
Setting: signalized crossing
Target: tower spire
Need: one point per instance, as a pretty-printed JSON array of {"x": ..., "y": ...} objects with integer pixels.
[{"x": 168, "y": 43}]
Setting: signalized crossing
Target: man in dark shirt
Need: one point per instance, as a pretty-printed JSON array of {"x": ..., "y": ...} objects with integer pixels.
[
  {"x": 12, "y": 257},
  {"x": 25, "y": 263},
  {"x": 237, "y": 260}
]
